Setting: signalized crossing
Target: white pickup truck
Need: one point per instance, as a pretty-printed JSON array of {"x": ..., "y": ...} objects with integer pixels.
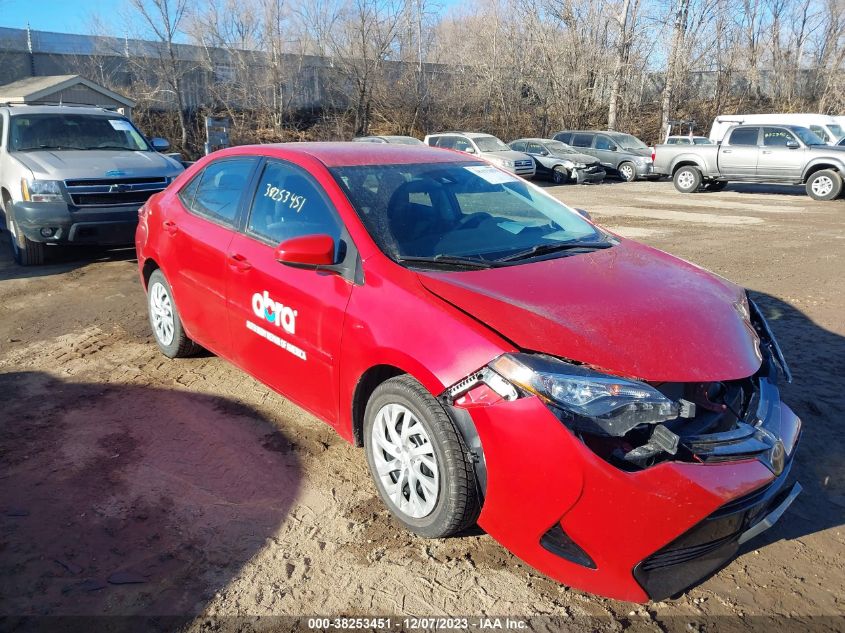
[
  {"x": 75, "y": 175},
  {"x": 783, "y": 154}
]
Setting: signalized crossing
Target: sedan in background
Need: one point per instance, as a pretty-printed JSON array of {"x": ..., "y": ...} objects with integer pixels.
[{"x": 559, "y": 162}]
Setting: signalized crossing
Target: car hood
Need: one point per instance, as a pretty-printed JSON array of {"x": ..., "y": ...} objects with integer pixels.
[
  {"x": 577, "y": 158},
  {"x": 507, "y": 154},
  {"x": 70, "y": 164},
  {"x": 629, "y": 310},
  {"x": 637, "y": 152}
]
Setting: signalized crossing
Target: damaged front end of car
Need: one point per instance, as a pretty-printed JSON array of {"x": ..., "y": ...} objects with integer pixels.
[{"x": 715, "y": 436}]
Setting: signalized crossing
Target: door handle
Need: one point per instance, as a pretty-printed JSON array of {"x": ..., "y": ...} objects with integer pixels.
[
  {"x": 726, "y": 151},
  {"x": 170, "y": 226},
  {"x": 767, "y": 151},
  {"x": 238, "y": 262}
]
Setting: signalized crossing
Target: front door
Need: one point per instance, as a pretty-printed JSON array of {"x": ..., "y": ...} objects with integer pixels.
[
  {"x": 196, "y": 233},
  {"x": 776, "y": 160},
  {"x": 738, "y": 158},
  {"x": 287, "y": 322}
]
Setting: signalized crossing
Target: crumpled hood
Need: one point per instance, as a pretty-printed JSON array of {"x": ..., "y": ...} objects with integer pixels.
[
  {"x": 70, "y": 164},
  {"x": 578, "y": 158},
  {"x": 508, "y": 155},
  {"x": 630, "y": 309}
]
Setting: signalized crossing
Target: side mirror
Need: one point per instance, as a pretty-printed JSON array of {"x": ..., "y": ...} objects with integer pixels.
[
  {"x": 613, "y": 148},
  {"x": 306, "y": 251},
  {"x": 793, "y": 144},
  {"x": 160, "y": 144},
  {"x": 469, "y": 150},
  {"x": 585, "y": 214}
]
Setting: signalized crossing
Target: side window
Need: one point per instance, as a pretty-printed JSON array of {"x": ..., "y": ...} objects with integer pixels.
[
  {"x": 744, "y": 136},
  {"x": 518, "y": 147},
  {"x": 288, "y": 203},
  {"x": 446, "y": 141},
  {"x": 603, "y": 142},
  {"x": 582, "y": 140},
  {"x": 217, "y": 192},
  {"x": 535, "y": 148},
  {"x": 776, "y": 137},
  {"x": 820, "y": 132},
  {"x": 564, "y": 137},
  {"x": 462, "y": 144}
]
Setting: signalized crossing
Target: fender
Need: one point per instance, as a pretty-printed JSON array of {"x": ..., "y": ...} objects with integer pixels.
[{"x": 823, "y": 162}]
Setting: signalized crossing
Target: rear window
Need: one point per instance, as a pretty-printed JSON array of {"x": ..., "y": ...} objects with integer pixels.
[
  {"x": 565, "y": 137},
  {"x": 744, "y": 136}
]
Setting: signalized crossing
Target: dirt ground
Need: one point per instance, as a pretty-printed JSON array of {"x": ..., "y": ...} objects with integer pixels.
[{"x": 133, "y": 484}]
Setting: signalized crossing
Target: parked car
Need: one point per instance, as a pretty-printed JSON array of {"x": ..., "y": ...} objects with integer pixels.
[
  {"x": 606, "y": 411},
  {"x": 841, "y": 142},
  {"x": 621, "y": 154},
  {"x": 486, "y": 146},
  {"x": 785, "y": 154},
  {"x": 827, "y": 128},
  {"x": 688, "y": 140},
  {"x": 399, "y": 140},
  {"x": 74, "y": 175},
  {"x": 559, "y": 162}
]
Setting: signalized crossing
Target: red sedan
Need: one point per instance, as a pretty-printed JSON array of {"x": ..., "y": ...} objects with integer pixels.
[{"x": 607, "y": 412}]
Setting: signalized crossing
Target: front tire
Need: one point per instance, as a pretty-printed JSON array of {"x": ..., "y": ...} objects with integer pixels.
[
  {"x": 559, "y": 175},
  {"x": 627, "y": 171},
  {"x": 164, "y": 319},
  {"x": 824, "y": 185},
  {"x": 25, "y": 251},
  {"x": 687, "y": 179},
  {"x": 418, "y": 460}
]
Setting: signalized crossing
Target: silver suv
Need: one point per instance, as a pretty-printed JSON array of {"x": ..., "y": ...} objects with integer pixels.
[
  {"x": 621, "y": 154},
  {"x": 75, "y": 175},
  {"x": 485, "y": 146}
]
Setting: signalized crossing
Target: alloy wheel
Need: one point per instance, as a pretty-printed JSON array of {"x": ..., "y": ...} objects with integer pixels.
[
  {"x": 161, "y": 310},
  {"x": 822, "y": 186},
  {"x": 686, "y": 180},
  {"x": 405, "y": 461}
]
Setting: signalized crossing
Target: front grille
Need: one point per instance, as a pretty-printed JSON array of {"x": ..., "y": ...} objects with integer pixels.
[
  {"x": 523, "y": 163},
  {"x": 100, "y": 192}
]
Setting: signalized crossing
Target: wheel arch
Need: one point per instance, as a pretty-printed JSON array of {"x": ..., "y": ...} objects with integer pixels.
[
  {"x": 687, "y": 162},
  {"x": 150, "y": 266},
  {"x": 364, "y": 388},
  {"x": 814, "y": 167}
]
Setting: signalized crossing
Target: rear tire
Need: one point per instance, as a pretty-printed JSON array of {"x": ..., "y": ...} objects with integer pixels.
[
  {"x": 824, "y": 185},
  {"x": 627, "y": 171},
  {"x": 164, "y": 319},
  {"x": 687, "y": 179},
  {"x": 418, "y": 461}
]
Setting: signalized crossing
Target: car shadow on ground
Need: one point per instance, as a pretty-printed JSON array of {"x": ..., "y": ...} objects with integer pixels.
[
  {"x": 816, "y": 357},
  {"x": 130, "y": 501},
  {"x": 58, "y": 259}
]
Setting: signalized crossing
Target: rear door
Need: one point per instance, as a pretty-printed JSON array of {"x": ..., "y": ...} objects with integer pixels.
[
  {"x": 738, "y": 158},
  {"x": 583, "y": 141},
  {"x": 286, "y": 322},
  {"x": 776, "y": 160},
  {"x": 196, "y": 232}
]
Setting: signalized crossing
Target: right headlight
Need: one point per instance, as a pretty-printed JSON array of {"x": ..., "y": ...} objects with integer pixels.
[
  {"x": 587, "y": 400},
  {"x": 41, "y": 190}
]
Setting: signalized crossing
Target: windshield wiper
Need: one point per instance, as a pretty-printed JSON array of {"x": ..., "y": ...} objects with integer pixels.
[
  {"x": 112, "y": 147},
  {"x": 447, "y": 260},
  {"x": 48, "y": 147},
  {"x": 545, "y": 249}
]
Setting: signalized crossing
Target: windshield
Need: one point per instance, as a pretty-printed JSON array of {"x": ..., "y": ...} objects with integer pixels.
[
  {"x": 559, "y": 148},
  {"x": 73, "y": 131},
  {"x": 629, "y": 142},
  {"x": 458, "y": 210},
  {"x": 809, "y": 137},
  {"x": 490, "y": 144},
  {"x": 836, "y": 130}
]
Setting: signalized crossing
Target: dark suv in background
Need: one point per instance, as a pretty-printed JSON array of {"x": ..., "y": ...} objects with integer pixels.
[{"x": 621, "y": 154}]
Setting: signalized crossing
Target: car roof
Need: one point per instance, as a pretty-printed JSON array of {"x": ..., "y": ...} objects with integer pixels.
[
  {"x": 533, "y": 140},
  {"x": 348, "y": 154},
  {"x": 467, "y": 134},
  {"x": 16, "y": 110}
]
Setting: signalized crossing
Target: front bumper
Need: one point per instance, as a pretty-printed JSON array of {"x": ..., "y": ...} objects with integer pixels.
[
  {"x": 590, "y": 174},
  {"x": 562, "y": 509},
  {"x": 75, "y": 225}
]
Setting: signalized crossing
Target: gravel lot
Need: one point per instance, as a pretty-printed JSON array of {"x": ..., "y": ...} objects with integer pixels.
[{"x": 132, "y": 484}]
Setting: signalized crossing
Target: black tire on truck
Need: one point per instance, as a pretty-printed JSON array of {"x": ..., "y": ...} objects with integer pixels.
[
  {"x": 418, "y": 460},
  {"x": 25, "y": 251},
  {"x": 687, "y": 179},
  {"x": 825, "y": 184}
]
